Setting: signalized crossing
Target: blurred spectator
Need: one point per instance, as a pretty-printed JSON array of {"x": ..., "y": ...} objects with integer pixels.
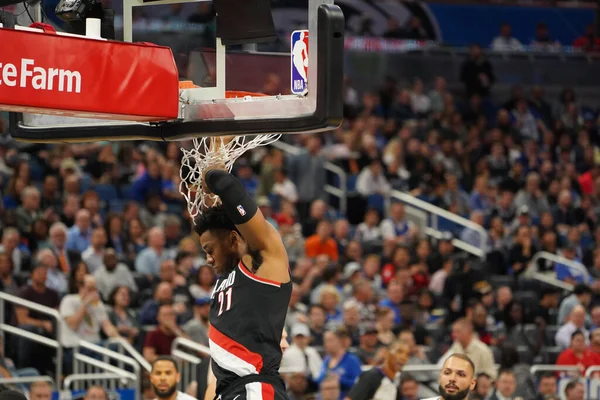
[
  {"x": 302, "y": 356},
  {"x": 203, "y": 282},
  {"x": 547, "y": 386},
  {"x": 93, "y": 256},
  {"x": 67, "y": 259},
  {"x": 321, "y": 243},
  {"x": 483, "y": 387},
  {"x": 112, "y": 274},
  {"x": 588, "y": 41},
  {"x": 582, "y": 295},
  {"x": 36, "y": 322},
  {"x": 330, "y": 388},
  {"x": 576, "y": 322},
  {"x": 543, "y": 41},
  {"x": 506, "y": 386},
  {"x": 7, "y": 280},
  {"x": 466, "y": 342},
  {"x": 477, "y": 73},
  {"x": 339, "y": 361},
  {"x": 122, "y": 315},
  {"x": 40, "y": 390},
  {"x": 577, "y": 354},
  {"x": 56, "y": 279},
  {"x": 372, "y": 180},
  {"x": 574, "y": 391},
  {"x": 163, "y": 294},
  {"x": 148, "y": 260},
  {"x": 397, "y": 227},
  {"x": 149, "y": 183},
  {"x": 284, "y": 187},
  {"x": 158, "y": 341},
  {"x": 10, "y": 246},
  {"x": 29, "y": 210},
  {"x": 80, "y": 234},
  {"x": 506, "y": 41},
  {"x": 197, "y": 327},
  {"x": 307, "y": 171},
  {"x": 84, "y": 317}
]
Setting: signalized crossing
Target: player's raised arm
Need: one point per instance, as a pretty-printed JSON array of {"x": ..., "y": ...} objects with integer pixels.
[{"x": 244, "y": 213}]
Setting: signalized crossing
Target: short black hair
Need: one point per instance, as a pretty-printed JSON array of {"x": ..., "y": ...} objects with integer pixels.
[
  {"x": 548, "y": 375},
  {"x": 213, "y": 219},
  {"x": 577, "y": 332},
  {"x": 582, "y": 288},
  {"x": 166, "y": 358}
]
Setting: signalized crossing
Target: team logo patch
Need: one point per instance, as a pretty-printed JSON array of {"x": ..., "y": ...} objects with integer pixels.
[{"x": 241, "y": 210}]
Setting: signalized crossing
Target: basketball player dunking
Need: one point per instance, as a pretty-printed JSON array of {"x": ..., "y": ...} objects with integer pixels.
[{"x": 250, "y": 299}]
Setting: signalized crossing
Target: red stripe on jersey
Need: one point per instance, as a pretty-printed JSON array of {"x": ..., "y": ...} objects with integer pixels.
[
  {"x": 268, "y": 393},
  {"x": 257, "y": 278},
  {"x": 235, "y": 348}
]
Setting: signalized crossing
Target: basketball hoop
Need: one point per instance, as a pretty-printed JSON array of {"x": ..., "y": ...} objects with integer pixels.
[{"x": 197, "y": 159}]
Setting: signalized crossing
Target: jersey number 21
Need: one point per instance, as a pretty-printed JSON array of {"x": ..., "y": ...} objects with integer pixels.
[{"x": 225, "y": 299}]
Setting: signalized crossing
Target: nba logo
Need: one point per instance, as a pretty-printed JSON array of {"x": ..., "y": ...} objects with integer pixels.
[
  {"x": 299, "y": 79},
  {"x": 241, "y": 210}
]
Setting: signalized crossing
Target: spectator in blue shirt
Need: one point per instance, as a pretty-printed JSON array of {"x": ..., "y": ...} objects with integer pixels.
[
  {"x": 568, "y": 273},
  {"x": 149, "y": 183},
  {"x": 79, "y": 235},
  {"x": 339, "y": 361}
]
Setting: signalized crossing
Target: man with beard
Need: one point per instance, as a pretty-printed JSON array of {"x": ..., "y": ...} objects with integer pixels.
[
  {"x": 457, "y": 378},
  {"x": 382, "y": 383},
  {"x": 165, "y": 377}
]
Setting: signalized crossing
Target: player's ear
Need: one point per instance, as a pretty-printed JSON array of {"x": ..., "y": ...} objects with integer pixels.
[{"x": 473, "y": 382}]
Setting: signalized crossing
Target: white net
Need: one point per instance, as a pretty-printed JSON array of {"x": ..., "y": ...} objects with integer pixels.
[{"x": 201, "y": 156}]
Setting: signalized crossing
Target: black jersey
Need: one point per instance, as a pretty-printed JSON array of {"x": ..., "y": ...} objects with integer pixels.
[{"x": 247, "y": 316}]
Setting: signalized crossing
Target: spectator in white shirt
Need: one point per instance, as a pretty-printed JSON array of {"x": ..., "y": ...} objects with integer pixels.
[
  {"x": 576, "y": 322},
  {"x": 505, "y": 41},
  {"x": 369, "y": 230},
  {"x": 300, "y": 355},
  {"x": 284, "y": 187},
  {"x": 93, "y": 256},
  {"x": 525, "y": 121},
  {"x": 113, "y": 274},
  {"x": 421, "y": 104},
  {"x": 396, "y": 227},
  {"x": 84, "y": 316},
  {"x": 371, "y": 180}
]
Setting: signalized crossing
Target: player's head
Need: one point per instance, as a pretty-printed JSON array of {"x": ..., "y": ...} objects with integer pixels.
[
  {"x": 220, "y": 239},
  {"x": 457, "y": 377},
  {"x": 397, "y": 355},
  {"x": 164, "y": 376}
]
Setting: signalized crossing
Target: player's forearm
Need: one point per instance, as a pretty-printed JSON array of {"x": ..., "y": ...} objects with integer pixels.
[{"x": 240, "y": 207}]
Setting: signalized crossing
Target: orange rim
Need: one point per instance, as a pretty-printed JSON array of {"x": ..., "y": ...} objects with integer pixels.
[
  {"x": 229, "y": 94},
  {"x": 232, "y": 94}
]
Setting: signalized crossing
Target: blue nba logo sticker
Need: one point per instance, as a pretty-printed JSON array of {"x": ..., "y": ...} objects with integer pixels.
[
  {"x": 299, "y": 79},
  {"x": 241, "y": 210}
]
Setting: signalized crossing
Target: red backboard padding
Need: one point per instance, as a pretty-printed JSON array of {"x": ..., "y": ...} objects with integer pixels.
[{"x": 51, "y": 74}]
